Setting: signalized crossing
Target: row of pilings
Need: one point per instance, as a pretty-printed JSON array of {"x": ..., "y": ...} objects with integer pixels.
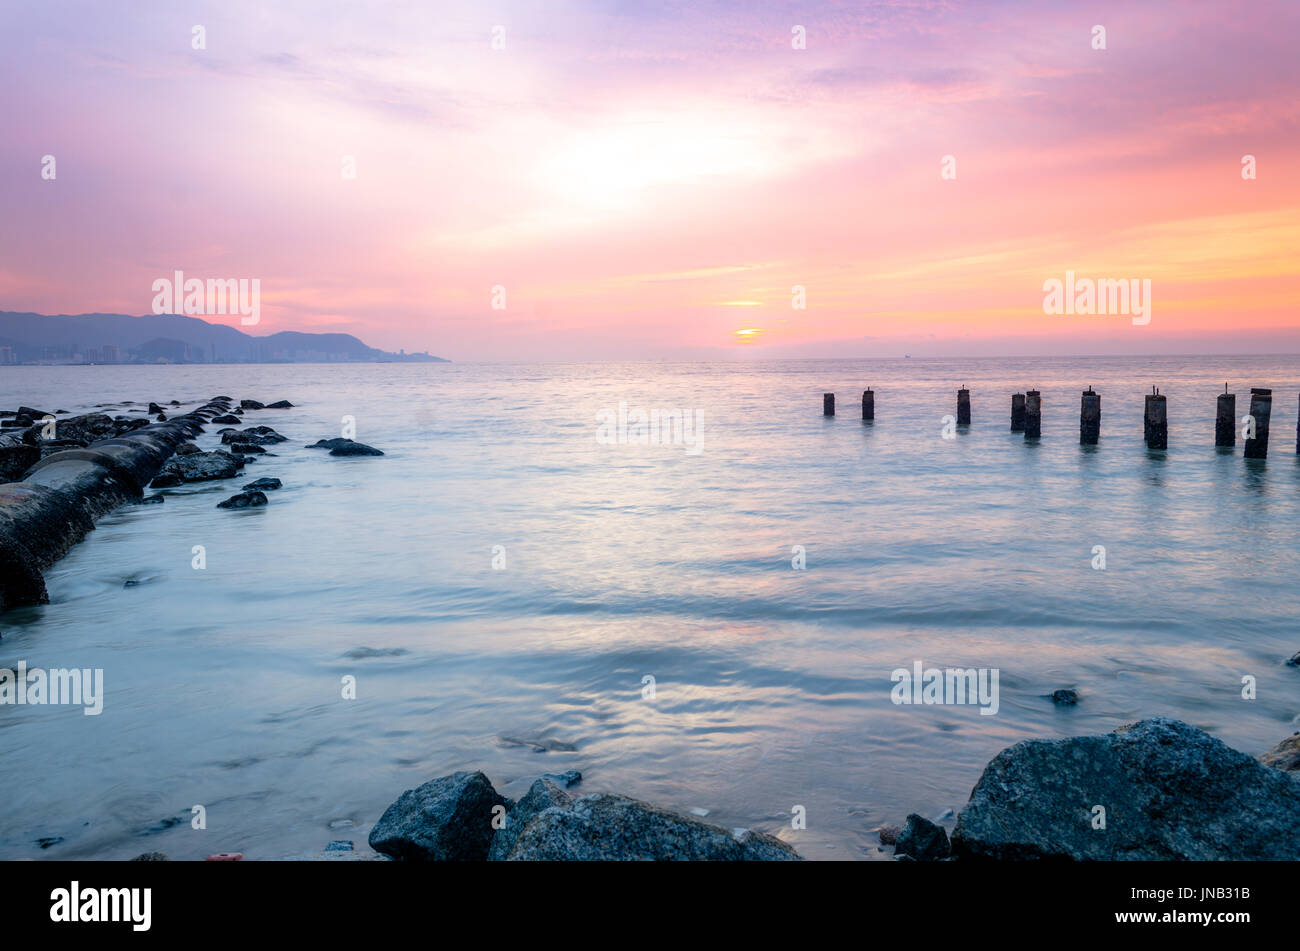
[
  {"x": 58, "y": 499},
  {"x": 1027, "y": 417}
]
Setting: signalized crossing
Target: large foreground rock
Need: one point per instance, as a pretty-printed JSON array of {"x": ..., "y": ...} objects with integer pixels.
[
  {"x": 446, "y": 820},
  {"x": 542, "y": 795},
  {"x": 604, "y": 827},
  {"x": 1169, "y": 790}
]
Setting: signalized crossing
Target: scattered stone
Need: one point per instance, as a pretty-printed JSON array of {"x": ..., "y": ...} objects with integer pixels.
[
  {"x": 260, "y": 435},
  {"x": 889, "y": 834},
  {"x": 250, "y": 404},
  {"x": 225, "y": 857},
  {"x": 46, "y": 841},
  {"x": 154, "y": 409},
  {"x": 1170, "y": 791},
  {"x": 539, "y": 744},
  {"x": 16, "y": 460},
  {"x": 345, "y": 447},
  {"x": 226, "y": 418},
  {"x": 265, "y": 485},
  {"x": 922, "y": 840},
  {"x": 246, "y": 448},
  {"x": 566, "y": 779},
  {"x": 339, "y": 845},
  {"x": 151, "y": 857},
  {"x": 1294, "y": 660},
  {"x": 1065, "y": 697},
  {"x": 243, "y": 500},
  {"x": 185, "y": 448},
  {"x": 446, "y": 819},
  {"x": 280, "y": 404},
  {"x": 1284, "y": 756}
]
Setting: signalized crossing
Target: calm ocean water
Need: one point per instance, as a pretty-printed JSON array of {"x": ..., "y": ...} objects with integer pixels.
[{"x": 772, "y": 685}]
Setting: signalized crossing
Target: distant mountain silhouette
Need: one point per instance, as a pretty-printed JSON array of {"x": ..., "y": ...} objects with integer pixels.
[{"x": 172, "y": 338}]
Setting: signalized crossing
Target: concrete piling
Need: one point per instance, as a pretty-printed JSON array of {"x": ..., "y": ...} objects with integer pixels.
[
  {"x": 868, "y": 404},
  {"x": 1261, "y": 408},
  {"x": 1155, "y": 421},
  {"x": 1090, "y": 418},
  {"x": 1033, "y": 414},
  {"x": 1225, "y": 420},
  {"x": 963, "y": 409},
  {"x": 1018, "y": 413},
  {"x": 828, "y": 404}
]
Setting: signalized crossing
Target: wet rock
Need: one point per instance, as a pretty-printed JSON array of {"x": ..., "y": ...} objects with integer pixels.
[
  {"x": 246, "y": 448},
  {"x": 162, "y": 417},
  {"x": 148, "y": 500},
  {"x": 1170, "y": 791},
  {"x": 889, "y": 834},
  {"x": 226, "y": 418},
  {"x": 1284, "y": 756},
  {"x": 605, "y": 827},
  {"x": 264, "y": 485},
  {"x": 250, "y": 404},
  {"x": 244, "y": 500},
  {"x": 186, "y": 448},
  {"x": 1065, "y": 697},
  {"x": 280, "y": 404},
  {"x": 17, "y": 459},
  {"x": 447, "y": 819},
  {"x": 339, "y": 845},
  {"x": 31, "y": 413},
  {"x": 81, "y": 429},
  {"x": 345, "y": 447},
  {"x": 46, "y": 841},
  {"x": 197, "y": 467},
  {"x": 565, "y": 779},
  {"x": 922, "y": 840},
  {"x": 258, "y": 435},
  {"x": 1294, "y": 661},
  {"x": 151, "y": 857},
  {"x": 543, "y": 794},
  {"x": 123, "y": 426},
  {"x": 154, "y": 409},
  {"x": 174, "y": 403}
]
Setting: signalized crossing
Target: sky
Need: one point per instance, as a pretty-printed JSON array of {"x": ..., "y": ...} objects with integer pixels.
[{"x": 626, "y": 180}]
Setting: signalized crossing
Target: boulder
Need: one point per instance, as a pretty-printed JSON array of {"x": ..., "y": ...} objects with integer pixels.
[
  {"x": 187, "y": 448},
  {"x": 1065, "y": 697},
  {"x": 345, "y": 447},
  {"x": 258, "y": 435},
  {"x": 1284, "y": 756},
  {"x": 226, "y": 419},
  {"x": 246, "y": 448},
  {"x": 279, "y": 404},
  {"x": 1169, "y": 790},
  {"x": 197, "y": 467},
  {"x": 154, "y": 409},
  {"x": 606, "y": 827},
  {"x": 250, "y": 404},
  {"x": 922, "y": 840},
  {"x": 264, "y": 485},
  {"x": 448, "y": 819},
  {"x": 244, "y": 500},
  {"x": 543, "y": 794}
]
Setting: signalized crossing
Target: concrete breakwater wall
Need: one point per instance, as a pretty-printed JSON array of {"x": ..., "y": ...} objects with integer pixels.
[{"x": 58, "y": 499}]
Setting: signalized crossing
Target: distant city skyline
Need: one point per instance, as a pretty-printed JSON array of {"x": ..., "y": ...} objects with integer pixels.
[{"x": 590, "y": 180}]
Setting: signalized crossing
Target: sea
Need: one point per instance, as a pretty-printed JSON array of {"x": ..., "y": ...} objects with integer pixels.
[{"x": 713, "y": 619}]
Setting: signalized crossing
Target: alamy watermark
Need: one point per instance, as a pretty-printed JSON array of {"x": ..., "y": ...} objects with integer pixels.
[
  {"x": 654, "y": 427},
  {"x": 216, "y": 297},
  {"x": 949, "y": 686},
  {"x": 1101, "y": 297},
  {"x": 57, "y": 686}
]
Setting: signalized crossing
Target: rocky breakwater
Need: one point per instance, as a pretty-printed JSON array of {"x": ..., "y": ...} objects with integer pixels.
[
  {"x": 57, "y": 498},
  {"x": 462, "y": 817}
]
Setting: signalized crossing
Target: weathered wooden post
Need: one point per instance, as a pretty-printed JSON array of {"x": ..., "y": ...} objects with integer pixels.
[
  {"x": 963, "y": 409},
  {"x": 828, "y": 404},
  {"x": 1018, "y": 413},
  {"x": 1156, "y": 422},
  {"x": 1033, "y": 414},
  {"x": 1261, "y": 408},
  {"x": 1089, "y": 418},
  {"x": 868, "y": 404},
  {"x": 1225, "y": 420}
]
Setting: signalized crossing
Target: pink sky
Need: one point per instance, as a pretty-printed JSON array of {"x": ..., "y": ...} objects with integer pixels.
[{"x": 648, "y": 180}]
